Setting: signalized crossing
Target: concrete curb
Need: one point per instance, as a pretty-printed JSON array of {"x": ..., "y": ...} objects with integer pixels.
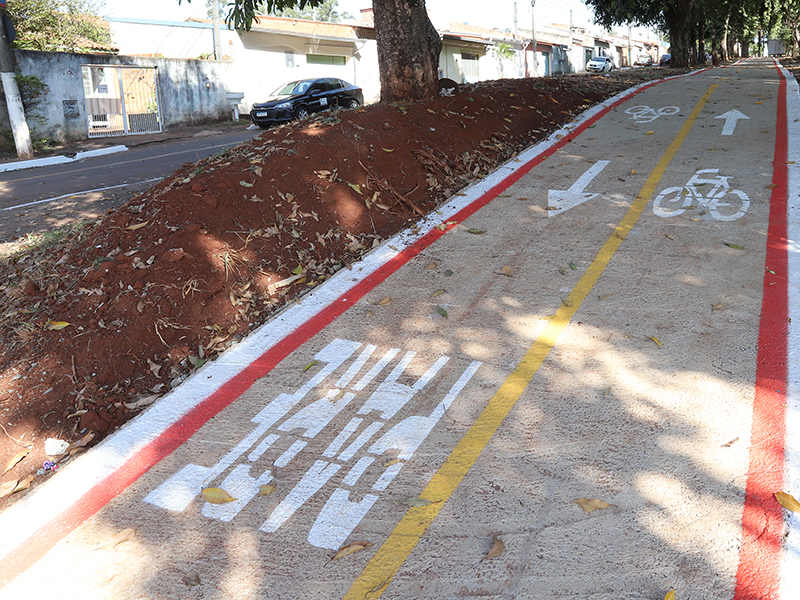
[{"x": 58, "y": 160}]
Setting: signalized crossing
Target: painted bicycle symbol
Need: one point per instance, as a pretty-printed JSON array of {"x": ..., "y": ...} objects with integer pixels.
[
  {"x": 722, "y": 202},
  {"x": 645, "y": 114}
]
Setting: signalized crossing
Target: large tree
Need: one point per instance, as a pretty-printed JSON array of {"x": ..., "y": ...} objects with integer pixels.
[
  {"x": 408, "y": 44},
  {"x": 61, "y": 26},
  {"x": 674, "y": 15}
]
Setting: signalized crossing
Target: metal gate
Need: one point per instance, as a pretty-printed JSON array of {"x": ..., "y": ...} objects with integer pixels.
[{"x": 121, "y": 100}]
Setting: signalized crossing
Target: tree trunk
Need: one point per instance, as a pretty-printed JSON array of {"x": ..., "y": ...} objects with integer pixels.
[
  {"x": 701, "y": 37},
  {"x": 678, "y": 16},
  {"x": 408, "y": 50},
  {"x": 725, "y": 33}
]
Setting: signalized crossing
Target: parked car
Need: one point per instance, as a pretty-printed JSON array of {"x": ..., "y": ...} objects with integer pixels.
[
  {"x": 644, "y": 60},
  {"x": 664, "y": 62},
  {"x": 600, "y": 64},
  {"x": 298, "y": 99}
]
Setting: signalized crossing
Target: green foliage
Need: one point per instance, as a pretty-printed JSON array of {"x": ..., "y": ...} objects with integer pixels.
[
  {"x": 504, "y": 51},
  {"x": 324, "y": 12},
  {"x": 33, "y": 92},
  {"x": 242, "y": 13},
  {"x": 68, "y": 26}
]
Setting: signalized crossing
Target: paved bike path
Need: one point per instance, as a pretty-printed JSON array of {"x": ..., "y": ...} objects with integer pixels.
[{"x": 551, "y": 338}]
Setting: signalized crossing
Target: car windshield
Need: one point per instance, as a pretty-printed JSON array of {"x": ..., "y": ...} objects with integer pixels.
[
  {"x": 599, "y": 58},
  {"x": 295, "y": 87}
]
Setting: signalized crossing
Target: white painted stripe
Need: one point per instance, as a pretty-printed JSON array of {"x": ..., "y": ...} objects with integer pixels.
[
  {"x": 19, "y": 522},
  {"x": 102, "y": 189},
  {"x": 790, "y": 569},
  {"x": 59, "y": 160}
]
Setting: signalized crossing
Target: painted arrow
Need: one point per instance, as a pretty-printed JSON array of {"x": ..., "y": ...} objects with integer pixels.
[
  {"x": 559, "y": 201},
  {"x": 730, "y": 120}
]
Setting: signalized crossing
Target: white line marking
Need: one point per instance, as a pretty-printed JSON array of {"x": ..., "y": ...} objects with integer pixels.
[
  {"x": 102, "y": 189},
  {"x": 790, "y": 572}
]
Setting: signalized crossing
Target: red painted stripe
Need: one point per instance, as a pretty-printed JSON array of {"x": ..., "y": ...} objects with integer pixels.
[
  {"x": 113, "y": 485},
  {"x": 759, "y": 573}
]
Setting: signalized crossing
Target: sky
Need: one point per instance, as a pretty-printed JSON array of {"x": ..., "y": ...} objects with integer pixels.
[{"x": 499, "y": 13}]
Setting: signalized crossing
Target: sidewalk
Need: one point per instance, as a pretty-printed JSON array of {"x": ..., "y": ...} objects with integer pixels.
[{"x": 85, "y": 148}]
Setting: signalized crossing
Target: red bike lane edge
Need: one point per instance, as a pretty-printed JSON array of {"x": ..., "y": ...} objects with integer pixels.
[
  {"x": 37, "y": 545},
  {"x": 759, "y": 572}
]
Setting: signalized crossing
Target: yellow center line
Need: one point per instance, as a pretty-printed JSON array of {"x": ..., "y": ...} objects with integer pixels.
[{"x": 377, "y": 575}]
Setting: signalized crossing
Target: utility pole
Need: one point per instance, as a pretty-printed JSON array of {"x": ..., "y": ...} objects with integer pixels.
[
  {"x": 515, "y": 21},
  {"x": 16, "y": 112},
  {"x": 630, "y": 64},
  {"x": 215, "y": 17},
  {"x": 534, "y": 70}
]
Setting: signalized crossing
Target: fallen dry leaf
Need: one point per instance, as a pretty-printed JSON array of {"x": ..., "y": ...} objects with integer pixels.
[
  {"x": 431, "y": 266},
  {"x": 348, "y": 550},
  {"x": 438, "y": 293},
  {"x": 655, "y": 339},
  {"x": 191, "y": 579},
  {"x": 506, "y": 270},
  {"x": 267, "y": 489},
  {"x": 441, "y": 311},
  {"x": 385, "y": 301},
  {"x": 137, "y": 226},
  {"x": 731, "y": 443},
  {"x": 116, "y": 539},
  {"x": 590, "y": 505},
  {"x": 788, "y": 501},
  {"x": 670, "y": 595},
  {"x": 396, "y": 461},
  {"x": 15, "y": 459},
  {"x": 497, "y": 549},
  {"x": 216, "y": 496},
  {"x": 416, "y": 502},
  {"x": 7, "y": 488},
  {"x": 24, "y": 484},
  {"x": 57, "y": 325},
  {"x": 716, "y": 306}
]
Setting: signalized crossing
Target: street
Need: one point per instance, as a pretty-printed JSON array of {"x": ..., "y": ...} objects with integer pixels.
[
  {"x": 572, "y": 381},
  {"x": 41, "y": 199}
]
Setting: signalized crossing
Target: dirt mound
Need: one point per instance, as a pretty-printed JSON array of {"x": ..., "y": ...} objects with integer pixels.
[{"x": 100, "y": 324}]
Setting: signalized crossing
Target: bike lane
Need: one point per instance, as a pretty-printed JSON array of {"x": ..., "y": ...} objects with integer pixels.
[{"x": 644, "y": 401}]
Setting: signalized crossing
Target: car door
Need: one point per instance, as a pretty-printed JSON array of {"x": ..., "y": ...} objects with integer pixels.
[
  {"x": 317, "y": 96},
  {"x": 338, "y": 96}
]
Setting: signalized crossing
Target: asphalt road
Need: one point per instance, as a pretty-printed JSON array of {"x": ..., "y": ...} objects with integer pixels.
[
  {"x": 35, "y": 200},
  {"x": 571, "y": 382}
]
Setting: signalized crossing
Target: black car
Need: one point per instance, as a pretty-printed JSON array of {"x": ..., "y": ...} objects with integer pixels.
[
  {"x": 665, "y": 60},
  {"x": 299, "y": 99}
]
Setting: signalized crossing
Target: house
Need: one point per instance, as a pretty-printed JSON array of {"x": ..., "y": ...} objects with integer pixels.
[{"x": 165, "y": 74}]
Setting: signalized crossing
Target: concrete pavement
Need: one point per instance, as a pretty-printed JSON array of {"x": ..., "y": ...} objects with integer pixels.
[{"x": 603, "y": 319}]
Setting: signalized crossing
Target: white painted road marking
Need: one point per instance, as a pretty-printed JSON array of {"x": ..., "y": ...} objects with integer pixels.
[
  {"x": 731, "y": 117},
  {"x": 645, "y": 114},
  {"x": 559, "y": 201},
  {"x": 339, "y": 516},
  {"x": 723, "y": 203}
]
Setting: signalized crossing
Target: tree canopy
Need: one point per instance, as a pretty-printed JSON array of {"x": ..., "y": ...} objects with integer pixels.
[{"x": 63, "y": 26}]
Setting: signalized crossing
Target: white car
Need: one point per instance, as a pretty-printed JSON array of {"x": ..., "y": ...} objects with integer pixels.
[{"x": 600, "y": 64}]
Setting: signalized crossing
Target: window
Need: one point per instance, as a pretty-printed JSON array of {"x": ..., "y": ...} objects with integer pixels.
[
  {"x": 290, "y": 59},
  {"x": 322, "y": 59},
  {"x": 469, "y": 67}
]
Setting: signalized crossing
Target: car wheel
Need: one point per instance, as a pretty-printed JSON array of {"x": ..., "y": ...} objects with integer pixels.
[
  {"x": 301, "y": 113},
  {"x": 352, "y": 104}
]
